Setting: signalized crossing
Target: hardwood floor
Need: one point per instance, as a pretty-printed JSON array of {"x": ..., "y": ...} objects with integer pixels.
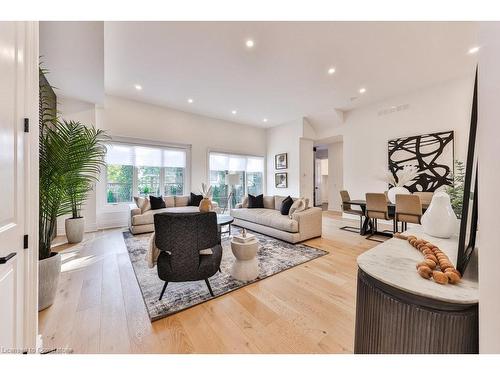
[{"x": 307, "y": 309}]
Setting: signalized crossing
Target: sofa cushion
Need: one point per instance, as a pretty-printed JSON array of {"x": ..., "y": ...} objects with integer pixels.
[
  {"x": 148, "y": 217},
  {"x": 278, "y": 200},
  {"x": 194, "y": 200},
  {"x": 169, "y": 201},
  {"x": 298, "y": 206},
  {"x": 267, "y": 217},
  {"x": 269, "y": 202},
  {"x": 157, "y": 202},
  {"x": 255, "y": 201},
  {"x": 285, "y": 205},
  {"x": 181, "y": 201}
]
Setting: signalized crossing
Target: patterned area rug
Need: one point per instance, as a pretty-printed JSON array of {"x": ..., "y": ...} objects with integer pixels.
[{"x": 274, "y": 256}]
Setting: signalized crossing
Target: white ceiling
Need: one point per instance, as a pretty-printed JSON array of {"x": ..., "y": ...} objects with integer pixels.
[
  {"x": 73, "y": 52},
  {"x": 284, "y": 77}
]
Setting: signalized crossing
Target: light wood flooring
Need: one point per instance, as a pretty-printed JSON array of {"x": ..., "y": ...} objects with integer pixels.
[{"x": 307, "y": 309}]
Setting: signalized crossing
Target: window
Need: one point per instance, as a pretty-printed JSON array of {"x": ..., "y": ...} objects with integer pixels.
[
  {"x": 238, "y": 174},
  {"x": 142, "y": 171}
]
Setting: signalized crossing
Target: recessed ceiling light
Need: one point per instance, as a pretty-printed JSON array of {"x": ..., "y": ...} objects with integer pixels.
[
  {"x": 362, "y": 90},
  {"x": 473, "y": 50},
  {"x": 264, "y": 120},
  {"x": 331, "y": 70},
  {"x": 234, "y": 111},
  {"x": 249, "y": 43},
  {"x": 190, "y": 100},
  {"x": 138, "y": 87}
]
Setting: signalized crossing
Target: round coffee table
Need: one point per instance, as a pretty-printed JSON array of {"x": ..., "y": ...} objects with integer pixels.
[
  {"x": 224, "y": 220},
  {"x": 245, "y": 266}
]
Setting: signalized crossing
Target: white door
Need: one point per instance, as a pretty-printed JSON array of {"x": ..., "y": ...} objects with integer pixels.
[
  {"x": 317, "y": 182},
  {"x": 12, "y": 226}
]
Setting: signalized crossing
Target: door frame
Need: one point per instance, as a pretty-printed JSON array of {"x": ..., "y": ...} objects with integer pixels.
[{"x": 31, "y": 159}]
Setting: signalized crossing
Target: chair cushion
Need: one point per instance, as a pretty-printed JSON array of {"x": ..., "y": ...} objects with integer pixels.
[
  {"x": 268, "y": 217},
  {"x": 148, "y": 217}
]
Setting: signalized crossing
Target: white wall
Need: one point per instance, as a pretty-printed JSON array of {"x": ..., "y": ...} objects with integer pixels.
[
  {"x": 280, "y": 139},
  {"x": 365, "y": 134},
  {"x": 126, "y": 118},
  {"x": 489, "y": 181},
  {"x": 296, "y": 139},
  {"x": 335, "y": 175},
  {"x": 76, "y": 110}
]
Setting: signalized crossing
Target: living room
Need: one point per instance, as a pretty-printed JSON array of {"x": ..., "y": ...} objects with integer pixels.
[{"x": 252, "y": 187}]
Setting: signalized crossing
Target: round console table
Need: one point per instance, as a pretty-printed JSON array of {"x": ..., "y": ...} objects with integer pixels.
[{"x": 399, "y": 312}]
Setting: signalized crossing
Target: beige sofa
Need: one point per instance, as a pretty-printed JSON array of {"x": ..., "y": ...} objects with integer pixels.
[
  {"x": 142, "y": 220},
  {"x": 297, "y": 227}
]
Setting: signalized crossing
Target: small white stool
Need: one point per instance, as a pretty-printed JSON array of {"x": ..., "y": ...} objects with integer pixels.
[{"x": 245, "y": 266}]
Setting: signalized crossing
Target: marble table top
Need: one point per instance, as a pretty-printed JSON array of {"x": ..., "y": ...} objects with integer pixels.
[{"x": 393, "y": 262}]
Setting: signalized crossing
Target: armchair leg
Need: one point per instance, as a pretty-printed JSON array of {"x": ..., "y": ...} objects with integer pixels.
[
  {"x": 163, "y": 290},
  {"x": 209, "y": 287}
]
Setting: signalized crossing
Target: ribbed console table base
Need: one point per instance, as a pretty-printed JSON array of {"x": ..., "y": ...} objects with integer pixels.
[{"x": 389, "y": 320}]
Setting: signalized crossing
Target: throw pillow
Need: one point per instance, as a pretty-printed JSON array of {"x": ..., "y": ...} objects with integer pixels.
[
  {"x": 255, "y": 201},
  {"x": 298, "y": 205},
  {"x": 156, "y": 202},
  {"x": 195, "y": 200},
  {"x": 139, "y": 202},
  {"x": 285, "y": 205}
]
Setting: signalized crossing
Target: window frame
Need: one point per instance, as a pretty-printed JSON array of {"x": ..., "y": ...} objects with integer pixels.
[
  {"x": 135, "y": 182},
  {"x": 245, "y": 181}
]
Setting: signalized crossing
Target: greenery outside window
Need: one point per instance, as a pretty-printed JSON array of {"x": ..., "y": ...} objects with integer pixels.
[
  {"x": 250, "y": 170},
  {"x": 142, "y": 171}
]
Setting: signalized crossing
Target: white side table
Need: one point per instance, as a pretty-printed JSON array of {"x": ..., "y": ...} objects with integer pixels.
[{"x": 245, "y": 266}]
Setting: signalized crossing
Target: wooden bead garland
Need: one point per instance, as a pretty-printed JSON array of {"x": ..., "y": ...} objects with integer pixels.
[{"x": 433, "y": 257}]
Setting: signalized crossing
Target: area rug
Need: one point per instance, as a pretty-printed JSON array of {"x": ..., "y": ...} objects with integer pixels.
[{"x": 274, "y": 256}]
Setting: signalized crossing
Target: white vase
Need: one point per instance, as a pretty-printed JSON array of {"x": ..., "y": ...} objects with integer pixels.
[
  {"x": 439, "y": 220},
  {"x": 74, "y": 229},
  {"x": 396, "y": 190}
]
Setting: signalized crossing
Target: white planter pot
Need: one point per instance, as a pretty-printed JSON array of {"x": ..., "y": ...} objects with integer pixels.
[
  {"x": 74, "y": 229},
  {"x": 393, "y": 191},
  {"x": 439, "y": 220},
  {"x": 48, "y": 277}
]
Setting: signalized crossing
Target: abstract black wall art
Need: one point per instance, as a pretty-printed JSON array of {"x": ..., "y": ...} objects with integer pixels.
[{"x": 431, "y": 153}]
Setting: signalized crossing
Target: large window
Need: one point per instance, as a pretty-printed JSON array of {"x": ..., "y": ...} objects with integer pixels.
[
  {"x": 139, "y": 170},
  {"x": 238, "y": 174}
]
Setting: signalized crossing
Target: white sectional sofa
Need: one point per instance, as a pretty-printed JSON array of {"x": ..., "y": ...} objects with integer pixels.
[
  {"x": 142, "y": 220},
  {"x": 297, "y": 227}
]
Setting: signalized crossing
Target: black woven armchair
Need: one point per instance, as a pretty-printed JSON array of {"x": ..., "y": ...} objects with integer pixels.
[{"x": 180, "y": 237}]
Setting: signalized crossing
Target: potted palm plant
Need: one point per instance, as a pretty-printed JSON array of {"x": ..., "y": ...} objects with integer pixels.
[
  {"x": 85, "y": 151},
  {"x": 71, "y": 155}
]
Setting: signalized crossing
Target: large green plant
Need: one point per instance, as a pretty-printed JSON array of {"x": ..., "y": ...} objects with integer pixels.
[
  {"x": 456, "y": 191},
  {"x": 71, "y": 155}
]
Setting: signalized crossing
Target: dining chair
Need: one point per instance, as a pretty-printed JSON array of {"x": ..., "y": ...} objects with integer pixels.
[
  {"x": 377, "y": 208},
  {"x": 425, "y": 197},
  {"x": 347, "y": 208},
  {"x": 408, "y": 210}
]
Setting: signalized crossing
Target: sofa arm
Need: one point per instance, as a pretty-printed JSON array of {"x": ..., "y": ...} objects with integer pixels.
[
  {"x": 239, "y": 205},
  {"x": 310, "y": 222},
  {"x": 134, "y": 210},
  {"x": 215, "y": 205}
]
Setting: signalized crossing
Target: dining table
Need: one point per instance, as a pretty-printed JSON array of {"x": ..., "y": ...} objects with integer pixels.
[{"x": 367, "y": 224}]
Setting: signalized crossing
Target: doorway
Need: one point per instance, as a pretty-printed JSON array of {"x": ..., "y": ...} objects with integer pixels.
[{"x": 321, "y": 176}]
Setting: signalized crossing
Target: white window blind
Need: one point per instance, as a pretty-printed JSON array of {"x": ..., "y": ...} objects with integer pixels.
[
  {"x": 141, "y": 156},
  {"x": 228, "y": 162}
]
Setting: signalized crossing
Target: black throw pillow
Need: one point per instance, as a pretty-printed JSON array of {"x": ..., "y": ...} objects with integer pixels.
[
  {"x": 285, "y": 205},
  {"x": 156, "y": 202},
  {"x": 255, "y": 201},
  {"x": 195, "y": 200}
]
